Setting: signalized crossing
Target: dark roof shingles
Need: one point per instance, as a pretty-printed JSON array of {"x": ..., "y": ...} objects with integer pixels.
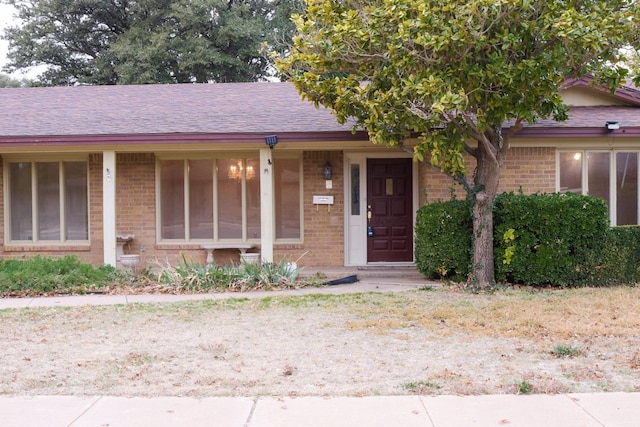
[
  {"x": 232, "y": 108},
  {"x": 161, "y": 109},
  {"x": 595, "y": 117}
]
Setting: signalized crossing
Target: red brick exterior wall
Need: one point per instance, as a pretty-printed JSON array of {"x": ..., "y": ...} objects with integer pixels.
[
  {"x": 532, "y": 169},
  {"x": 323, "y": 226},
  {"x": 95, "y": 255}
]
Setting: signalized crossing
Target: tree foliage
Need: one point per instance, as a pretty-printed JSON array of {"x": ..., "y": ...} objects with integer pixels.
[
  {"x": 8, "y": 81},
  {"x": 453, "y": 73},
  {"x": 148, "y": 41}
]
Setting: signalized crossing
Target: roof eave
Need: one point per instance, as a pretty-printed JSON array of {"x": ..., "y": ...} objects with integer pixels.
[
  {"x": 624, "y": 93},
  {"x": 178, "y": 138},
  {"x": 576, "y": 132}
]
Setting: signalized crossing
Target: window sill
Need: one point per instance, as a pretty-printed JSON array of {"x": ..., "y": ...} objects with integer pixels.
[
  {"x": 288, "y": 245},
  {"x": 39, "y": 247},
  {"x": 198, "y": 244}
]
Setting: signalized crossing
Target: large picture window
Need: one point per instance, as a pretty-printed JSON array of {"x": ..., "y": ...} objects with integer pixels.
[
  {"x": 48, "y": 201},
  {"x": 219, "y": 199},
  {"x": 286, "y": 175},
  {"x": 610, "y": 175},
  {"x": 209, "y": 199}
]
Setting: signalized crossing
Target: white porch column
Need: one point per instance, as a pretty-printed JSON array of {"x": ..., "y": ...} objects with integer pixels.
[
  {"x": 109, "y": 206},
  {"x": 267, "y": 232}
]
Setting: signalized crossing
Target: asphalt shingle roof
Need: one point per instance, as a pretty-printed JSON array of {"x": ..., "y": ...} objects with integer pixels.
[
  {"x": 232, "y": 108},
  {"x": 160, "y": 109},
  {"x": 585, "y": 117}
]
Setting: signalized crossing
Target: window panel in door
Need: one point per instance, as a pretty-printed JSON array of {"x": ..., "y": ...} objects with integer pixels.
[
  {"x": 626, "y": 188},
  {"x": 598, "y": 170}
]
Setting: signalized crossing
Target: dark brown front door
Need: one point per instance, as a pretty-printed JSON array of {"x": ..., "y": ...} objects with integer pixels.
[{"x": 389, "y": 210}]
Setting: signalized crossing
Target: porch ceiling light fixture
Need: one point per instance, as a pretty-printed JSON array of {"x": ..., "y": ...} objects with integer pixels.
[
  {"x": 611, "y": 126},
  {"x": 271, "y": 140},
  {"x": 236, "y": 172}
]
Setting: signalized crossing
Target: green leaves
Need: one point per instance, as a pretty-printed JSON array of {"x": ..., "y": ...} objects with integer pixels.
[
  {"x": 427, "y": 64},
  {"x": 443, "y": 240},
  {"x": 538, "y": 245},
  {"x": 41, "y": 275},
  {"x": 453, "y": 72},
  {"x": 150, "y": 41}
]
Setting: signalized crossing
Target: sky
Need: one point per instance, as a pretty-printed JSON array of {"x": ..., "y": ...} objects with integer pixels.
[
  {"x": 6, "y": 12},
  {"x": 6, "y": 19}
]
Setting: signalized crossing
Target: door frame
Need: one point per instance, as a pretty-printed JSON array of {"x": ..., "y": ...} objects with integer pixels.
[{"x": 355, "y": 226}]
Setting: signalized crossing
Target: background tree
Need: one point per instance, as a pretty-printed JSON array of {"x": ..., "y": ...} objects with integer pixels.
[
  {"x": 8, "y": 81},
  {"x": 453, "y": 73},
  {"x": 148, "y": 41}
]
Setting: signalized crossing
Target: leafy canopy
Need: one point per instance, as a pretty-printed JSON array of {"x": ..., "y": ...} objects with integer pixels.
[
  {"x": 148, "y": 41},
  {"x": 8, "y": 81},
  {"x": 451, "y": 71}
]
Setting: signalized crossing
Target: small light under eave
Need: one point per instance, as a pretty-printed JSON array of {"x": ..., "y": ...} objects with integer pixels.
[
  {"x": 271, "y": 140},
  {"x": 611, "y": 126},
  {"x": 577, "y": 156}
]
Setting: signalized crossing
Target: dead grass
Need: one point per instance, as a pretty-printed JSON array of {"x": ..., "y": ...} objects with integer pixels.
[
  {"x": 435, "y": 341},
  {"x": 634, "y": 363},
  {"x": 557, "y": 315}
]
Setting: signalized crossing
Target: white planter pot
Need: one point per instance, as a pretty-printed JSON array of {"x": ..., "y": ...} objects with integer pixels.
[
  {"x": 251, "y": 258},
  {"x": 130, "y": 260}
]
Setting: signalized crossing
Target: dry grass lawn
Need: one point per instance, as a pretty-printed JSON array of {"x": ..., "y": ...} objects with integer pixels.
[
  {"x": 550, "y": 314},
  {"x": 437, "y": 340}
]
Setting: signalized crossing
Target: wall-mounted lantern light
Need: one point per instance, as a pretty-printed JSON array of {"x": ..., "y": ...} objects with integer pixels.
[{"x": 326, "y": 171}]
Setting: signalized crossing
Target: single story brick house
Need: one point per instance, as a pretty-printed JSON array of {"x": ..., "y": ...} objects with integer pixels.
[{"x": 169, "y": 170}]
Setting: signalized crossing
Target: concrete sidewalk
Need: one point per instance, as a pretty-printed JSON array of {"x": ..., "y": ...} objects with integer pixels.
[
  {"x": 366, "y": 285},
  {"x": 570, "y": 410}
]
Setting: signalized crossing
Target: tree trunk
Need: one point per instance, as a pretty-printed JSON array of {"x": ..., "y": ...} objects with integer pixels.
[{"x": 486, "y": 181}]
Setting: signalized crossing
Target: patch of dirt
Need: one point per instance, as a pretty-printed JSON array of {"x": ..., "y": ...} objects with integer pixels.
[{"x": 436, "y": 342}]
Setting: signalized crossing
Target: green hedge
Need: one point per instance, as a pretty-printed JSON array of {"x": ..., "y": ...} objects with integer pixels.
[
  {"x": 443, "y": 240},
  {"x": 552, "y": 240},
  {"x": 618, "y": 263},
  {"x": 555, "y": 237}
]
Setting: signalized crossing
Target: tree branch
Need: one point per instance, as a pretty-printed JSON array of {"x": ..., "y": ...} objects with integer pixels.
[
  {"x": 515, "y": 128},
  {"x": 405, "y": 148}
]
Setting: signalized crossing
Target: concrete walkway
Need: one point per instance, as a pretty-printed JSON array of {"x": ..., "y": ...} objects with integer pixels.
[
  {"x": 571, "y": 410},
  {"x": 565, "y": 410},
  {"x": 367, "y": 285}
]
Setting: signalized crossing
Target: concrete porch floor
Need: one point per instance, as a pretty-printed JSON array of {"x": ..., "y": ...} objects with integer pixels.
[{"x": 399, "y": 272}]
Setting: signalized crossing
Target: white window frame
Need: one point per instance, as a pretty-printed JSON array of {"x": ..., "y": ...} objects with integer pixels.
[
  {"x": 214, "y": 157},
  {"x": 34, "y": 159},
  {"x": 291, "y": 241},
  {"x": 613, "y": 202}
]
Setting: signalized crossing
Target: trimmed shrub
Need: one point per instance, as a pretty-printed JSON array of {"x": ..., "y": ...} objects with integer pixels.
[
  {"x": 548, "y": 239},
  {"x": 618, "y": 262},
  {"x": 540, "y": 239},
  {"x": 40, "y": 275},
  {"x": 443, "y": 240}
]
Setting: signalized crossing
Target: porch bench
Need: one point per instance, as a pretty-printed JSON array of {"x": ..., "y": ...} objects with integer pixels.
[{"x": 210, "y": 247}]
